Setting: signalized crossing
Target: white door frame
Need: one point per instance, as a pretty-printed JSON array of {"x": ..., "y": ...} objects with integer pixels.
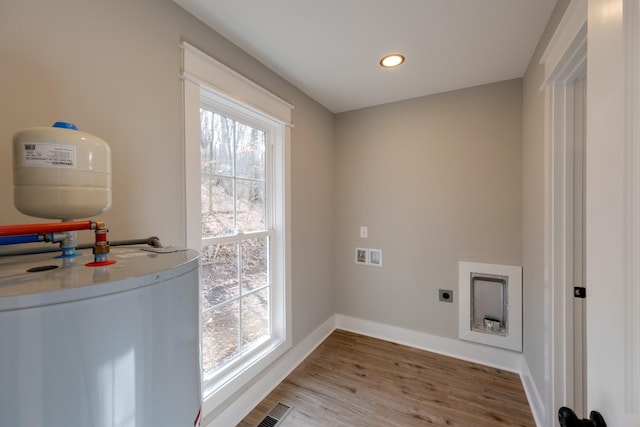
[
  {"x": 565, "y": 61},
  {"x": 613, "y": 211}
]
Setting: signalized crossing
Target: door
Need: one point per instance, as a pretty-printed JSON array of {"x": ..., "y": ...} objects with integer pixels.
[
  {"x": 565, "y": 85},
  {"x": 578, "y": 256},
  {"x": 613, "y": 211}
]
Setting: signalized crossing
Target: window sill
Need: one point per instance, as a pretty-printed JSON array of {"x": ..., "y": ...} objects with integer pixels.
[{"x": 217, "y": 395}]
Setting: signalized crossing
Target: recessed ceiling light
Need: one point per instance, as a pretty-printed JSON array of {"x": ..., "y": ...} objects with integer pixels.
[{"x": 391, "y": 61}]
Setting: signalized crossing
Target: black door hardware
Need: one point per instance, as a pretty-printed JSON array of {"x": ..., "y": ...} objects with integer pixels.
[{"x": 568, "y": 418}]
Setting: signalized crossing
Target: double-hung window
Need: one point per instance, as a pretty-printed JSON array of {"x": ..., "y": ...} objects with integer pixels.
[
  {"x": 237, "y": 227},
  {"x": 236, "y": 161}
]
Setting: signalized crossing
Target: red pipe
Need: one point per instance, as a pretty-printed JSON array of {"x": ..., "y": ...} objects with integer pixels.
[{"x": 57, "y": 227}]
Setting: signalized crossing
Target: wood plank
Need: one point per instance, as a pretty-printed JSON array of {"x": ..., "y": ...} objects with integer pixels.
[{"x": 352, "y": 380}]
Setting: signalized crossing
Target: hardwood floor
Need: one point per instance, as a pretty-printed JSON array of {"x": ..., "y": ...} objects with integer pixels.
[{"x": 351, "y": 380}]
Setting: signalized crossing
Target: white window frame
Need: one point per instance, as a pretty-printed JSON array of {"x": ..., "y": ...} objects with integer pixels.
[{"x": 206, "y": 78}]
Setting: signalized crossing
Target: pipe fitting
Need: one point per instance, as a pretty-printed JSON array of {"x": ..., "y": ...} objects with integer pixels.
[
  {"x": 101, "y": 246},
  {"x": 68, "y": 245}
]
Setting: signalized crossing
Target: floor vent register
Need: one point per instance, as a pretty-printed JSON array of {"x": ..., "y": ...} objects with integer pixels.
[{"x": 276, "y": 416}]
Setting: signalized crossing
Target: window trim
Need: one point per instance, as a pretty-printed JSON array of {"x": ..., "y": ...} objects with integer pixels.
[{"x": 203, "y": 75}]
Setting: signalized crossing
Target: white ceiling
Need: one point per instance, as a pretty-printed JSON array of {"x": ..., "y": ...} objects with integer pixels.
[{"x": 330, "y": 49}]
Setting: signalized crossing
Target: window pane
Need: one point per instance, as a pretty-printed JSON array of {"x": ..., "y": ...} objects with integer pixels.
[
  {"x": 217, "y": 206},
  {"x": 219, "y": 273},
  {"x": 224, "y": 145},
  {"x": 250, "y": 205},
  {"x": 220, "y": 330},
  {"x": 250, "y": 153},
  {"x": 255, "y": 262},
  {"x": 217, "y": 143},
  {"x": 255, "y": 316}
]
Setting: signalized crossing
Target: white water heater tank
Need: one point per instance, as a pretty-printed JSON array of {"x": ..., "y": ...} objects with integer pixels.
[
  {"x": 112, "y": 346},
  {"x": 60, "y": 172}
]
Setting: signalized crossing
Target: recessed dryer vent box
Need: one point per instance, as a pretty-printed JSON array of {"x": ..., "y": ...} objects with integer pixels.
[{"x": 490, "y": 304}]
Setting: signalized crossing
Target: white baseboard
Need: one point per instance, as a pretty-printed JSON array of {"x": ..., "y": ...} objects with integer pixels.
[
  {"x": 239, "y": 408},
  {"x": 533, "y": 396},
  {"x": 489, "y": 356}
]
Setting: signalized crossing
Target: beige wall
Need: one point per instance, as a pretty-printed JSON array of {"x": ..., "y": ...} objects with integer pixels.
[
  {"x": 112, "y": 68},
  {"x": 436, "y": 180},
  {"x": 535, "y": 313},
  {"x": 312, "y": 177}
]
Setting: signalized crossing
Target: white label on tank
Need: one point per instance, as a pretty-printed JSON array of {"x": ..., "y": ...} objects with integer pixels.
[{"x": 55, "y": 155}]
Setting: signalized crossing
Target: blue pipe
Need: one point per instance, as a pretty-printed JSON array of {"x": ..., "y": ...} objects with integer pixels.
[{"x": 14, "y": 240}]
